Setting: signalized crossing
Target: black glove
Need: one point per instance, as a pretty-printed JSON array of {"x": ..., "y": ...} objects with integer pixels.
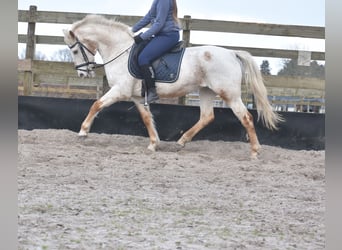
[{"x": 138, "y": 39}]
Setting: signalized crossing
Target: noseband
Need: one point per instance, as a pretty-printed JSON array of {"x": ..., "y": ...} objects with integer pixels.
[{"x": 86, "y": 60}]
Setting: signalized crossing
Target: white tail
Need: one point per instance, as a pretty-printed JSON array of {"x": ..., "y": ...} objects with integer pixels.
[{"x": 253, "y": 77}]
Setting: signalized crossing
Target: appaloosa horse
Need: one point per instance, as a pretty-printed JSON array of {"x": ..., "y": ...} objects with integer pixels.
[{"x": 211, "y": 70}]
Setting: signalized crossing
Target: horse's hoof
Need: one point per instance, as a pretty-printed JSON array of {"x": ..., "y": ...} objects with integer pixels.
[
  {"x": 257, "y": 148},
  {"x": 254, "y": 156},
  {"x": 152, "y": 147},
  {"x": 82, "y": 134},
  {"x": 255, "y": 152},
  {"x": 178, "y": 147},
  {"x": 181, "y": 143}
]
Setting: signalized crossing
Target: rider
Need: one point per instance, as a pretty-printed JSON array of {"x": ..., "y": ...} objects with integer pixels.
[{"x": 162, "y": 35}]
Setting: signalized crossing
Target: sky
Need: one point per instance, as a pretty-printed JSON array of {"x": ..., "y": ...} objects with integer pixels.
[{"x": 292, "y": 12}]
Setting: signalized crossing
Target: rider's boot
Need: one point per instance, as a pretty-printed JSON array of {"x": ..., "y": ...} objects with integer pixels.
[{"x": 150, "y": 83}]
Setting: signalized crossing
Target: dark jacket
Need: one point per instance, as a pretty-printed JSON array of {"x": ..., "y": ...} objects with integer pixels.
[{"x": 160, "y": 17}]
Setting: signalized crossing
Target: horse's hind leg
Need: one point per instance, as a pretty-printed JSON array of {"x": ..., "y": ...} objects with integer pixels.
[
  {"x": 207, "y": 97},
  {"x": 246, "y": 120}
]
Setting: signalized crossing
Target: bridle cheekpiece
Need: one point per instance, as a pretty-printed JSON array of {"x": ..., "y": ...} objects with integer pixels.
[{"x": 83, "y": 48}]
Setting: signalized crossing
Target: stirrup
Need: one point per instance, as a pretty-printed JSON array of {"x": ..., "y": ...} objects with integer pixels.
[
  {"x": 152, "y": 97},
  {"x": 149, "y": 98}
]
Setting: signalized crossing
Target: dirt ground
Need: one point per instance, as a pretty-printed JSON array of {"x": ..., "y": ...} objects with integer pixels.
[{"x": 110, "y": 192}]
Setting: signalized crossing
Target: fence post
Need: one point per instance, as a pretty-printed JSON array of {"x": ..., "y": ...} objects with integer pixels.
[
  {"x": 186, "y": 39},
  {"x": 186, "y": 30},
  {"x": 30, "y": 49}
]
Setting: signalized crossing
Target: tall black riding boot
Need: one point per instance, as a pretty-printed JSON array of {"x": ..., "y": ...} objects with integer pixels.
[{"x": 150, "y": 83}]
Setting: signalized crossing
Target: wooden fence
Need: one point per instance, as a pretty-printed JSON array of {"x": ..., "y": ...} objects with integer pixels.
[{"x": 50, "y": 78}]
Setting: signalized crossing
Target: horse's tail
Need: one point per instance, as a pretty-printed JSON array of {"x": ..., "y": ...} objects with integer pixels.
[{"x": 252, "y": 77}]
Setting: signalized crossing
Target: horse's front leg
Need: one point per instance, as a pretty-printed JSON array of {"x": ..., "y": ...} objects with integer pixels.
[
  {"x": 147, "y": 118},
  {"x": 88, "y": 121},
  {"x": 112, "y": 96}
]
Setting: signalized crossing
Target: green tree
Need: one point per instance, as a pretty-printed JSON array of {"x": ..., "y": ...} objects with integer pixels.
[{"x": 265, "y": 67}]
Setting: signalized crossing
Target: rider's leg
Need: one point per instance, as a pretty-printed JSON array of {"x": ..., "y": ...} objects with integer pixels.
[{"x": 158, "y": 45}]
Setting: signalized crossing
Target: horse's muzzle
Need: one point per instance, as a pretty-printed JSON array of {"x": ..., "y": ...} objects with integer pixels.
[{"x": 86, "y": 74}]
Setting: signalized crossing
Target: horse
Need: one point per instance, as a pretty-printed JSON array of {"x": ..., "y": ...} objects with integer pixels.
[{"x": 210, "y": 70}]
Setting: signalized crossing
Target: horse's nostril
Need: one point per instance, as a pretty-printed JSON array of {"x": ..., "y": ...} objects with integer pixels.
[{"x": 81, "y": 74}]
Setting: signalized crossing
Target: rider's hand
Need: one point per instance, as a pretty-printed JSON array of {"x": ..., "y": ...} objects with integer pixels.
[{"x": 138, "y": 39}]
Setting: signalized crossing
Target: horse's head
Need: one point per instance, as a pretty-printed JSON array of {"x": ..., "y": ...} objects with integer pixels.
[{"x": 83, "y": 53}]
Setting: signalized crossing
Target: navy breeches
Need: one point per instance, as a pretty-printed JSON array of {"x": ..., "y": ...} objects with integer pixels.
[{"x": 158, "y": 45}]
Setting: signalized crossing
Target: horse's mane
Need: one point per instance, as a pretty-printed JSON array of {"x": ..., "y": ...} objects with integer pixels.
[{"x": 100, "y": 20}]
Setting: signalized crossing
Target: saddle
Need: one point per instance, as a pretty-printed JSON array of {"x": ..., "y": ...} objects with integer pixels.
[{"x": 166, "y": 68}]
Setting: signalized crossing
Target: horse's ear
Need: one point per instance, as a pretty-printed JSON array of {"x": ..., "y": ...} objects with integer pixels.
[
  {"x": 72, "y": 34},
  {"x": 69, "y": 34}
]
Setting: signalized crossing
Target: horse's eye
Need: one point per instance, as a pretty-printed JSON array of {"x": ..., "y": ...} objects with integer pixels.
[{"x": 75, "y": 52}]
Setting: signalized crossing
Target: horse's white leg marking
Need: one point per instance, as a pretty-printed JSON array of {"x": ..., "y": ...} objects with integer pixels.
[
  {"x": 207, "y": 115},
  {"x": 246, "y": 120},
  {"x": 86, "y": 124},
  {"x": 147, "y": 118}
]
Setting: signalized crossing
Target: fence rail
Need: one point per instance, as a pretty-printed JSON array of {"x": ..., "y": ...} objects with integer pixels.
[{"x": 44, "y": 77}]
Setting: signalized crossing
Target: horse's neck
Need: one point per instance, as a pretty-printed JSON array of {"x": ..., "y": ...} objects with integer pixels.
[
  {"x": 114, "y": 47},
  {"x": 115, "y": 55}
]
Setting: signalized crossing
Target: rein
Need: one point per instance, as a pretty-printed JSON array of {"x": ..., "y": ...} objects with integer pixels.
[
  {"x": 85, "y": 57},
  {"x": 103, "y": 64}
]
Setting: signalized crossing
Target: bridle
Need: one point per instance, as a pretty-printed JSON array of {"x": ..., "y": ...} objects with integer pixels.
[{"x": 87, "y": 63}]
